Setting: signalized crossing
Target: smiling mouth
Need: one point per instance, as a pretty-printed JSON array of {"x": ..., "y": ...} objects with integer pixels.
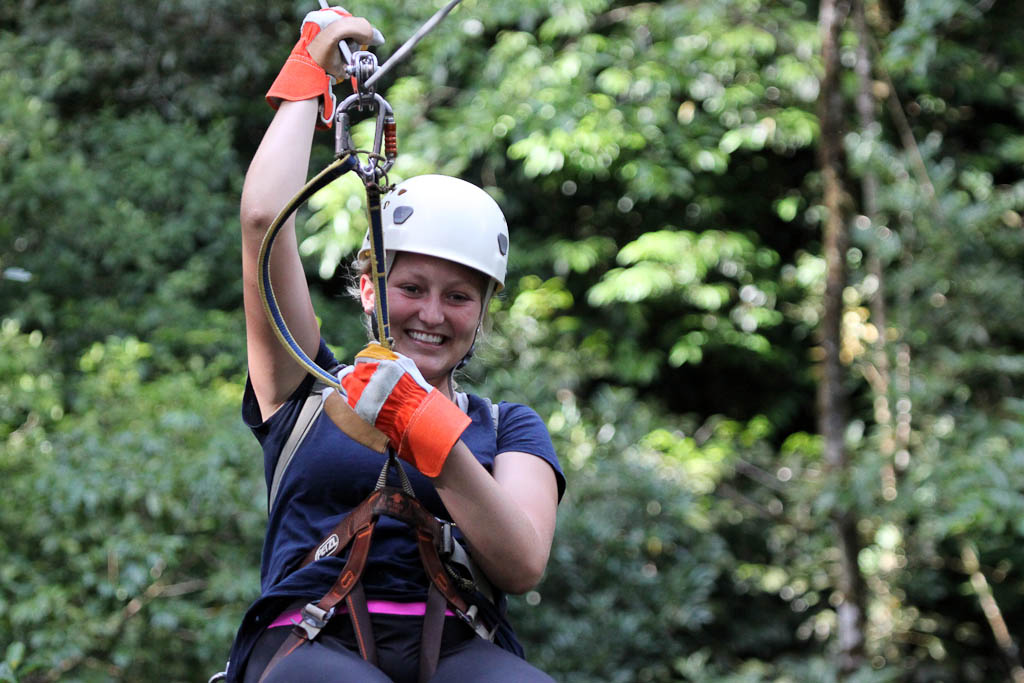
[{"x": 424, "y": 337}]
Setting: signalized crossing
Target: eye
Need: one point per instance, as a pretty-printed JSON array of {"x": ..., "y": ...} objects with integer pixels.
[{"x": 461, "y": 297}]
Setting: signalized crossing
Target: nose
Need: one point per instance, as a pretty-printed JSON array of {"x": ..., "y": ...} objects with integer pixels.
[{"x": 431, "y": 310}]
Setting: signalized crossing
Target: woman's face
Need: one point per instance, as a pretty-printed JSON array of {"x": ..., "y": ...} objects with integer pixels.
[{"x": 435, "y": 308}]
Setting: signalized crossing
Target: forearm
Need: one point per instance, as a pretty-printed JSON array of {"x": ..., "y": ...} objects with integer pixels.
[
  {"x": 279, "y": 168},
  {"x": 509, "y": 525},
  {"x": 277, "y": 172}
]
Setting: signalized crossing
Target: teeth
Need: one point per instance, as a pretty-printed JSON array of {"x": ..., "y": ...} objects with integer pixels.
[{"x": 428, "y": 338}]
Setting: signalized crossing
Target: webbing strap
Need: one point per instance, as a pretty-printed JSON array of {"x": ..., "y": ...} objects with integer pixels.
[
  {"x": 289, "y": 646},
  {"x": 356, "y": 529},
  {"x": 433, "y": 630},
  {"x": 310, "y": 410},
  {"x": 315, "y": 617},
  {"x": 360, "y": 615},
  {"x": 344, "y": 531}
]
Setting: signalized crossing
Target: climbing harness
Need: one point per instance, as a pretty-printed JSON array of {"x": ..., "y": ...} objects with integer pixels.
[
  {"x": 452, "y": 575},
  {"x": 440, "y": 556},
  {"x": 455, "y": 580}
]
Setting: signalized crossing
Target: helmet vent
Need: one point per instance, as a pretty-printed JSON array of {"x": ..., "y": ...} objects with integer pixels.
[
  {"x": 402, "y": 214},
  {"x": 502, "y": 244}
]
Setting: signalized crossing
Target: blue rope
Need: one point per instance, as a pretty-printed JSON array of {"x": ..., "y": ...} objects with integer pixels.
[{"x": 266, "y": 288}]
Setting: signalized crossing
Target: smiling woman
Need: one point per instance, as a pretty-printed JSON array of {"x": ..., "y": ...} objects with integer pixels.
[
  {"x": 436, "y": 309},
  {"x": 446, "y": 246},
  {"x": 484, "y": 475}
]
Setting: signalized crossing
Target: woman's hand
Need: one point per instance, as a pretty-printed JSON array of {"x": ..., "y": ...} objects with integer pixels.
[
  {"x": 315, "y": 62},
  {"x": 324, "y": 47},
  {"x": 508, "y": 518},
  {"x": 387, "y": 390}
]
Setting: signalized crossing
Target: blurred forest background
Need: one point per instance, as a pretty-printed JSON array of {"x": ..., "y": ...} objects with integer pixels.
[{"x": 765, "y": 288}]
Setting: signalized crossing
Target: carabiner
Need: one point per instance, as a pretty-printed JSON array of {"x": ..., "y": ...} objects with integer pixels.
[
  {"x": 362, "y": 65},
  {"x": 385, "y": 134}
]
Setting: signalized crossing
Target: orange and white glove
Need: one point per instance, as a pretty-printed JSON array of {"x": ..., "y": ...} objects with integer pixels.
[
  {"x": 302, "y": 77},
  {"x": 388, "y": 391}
]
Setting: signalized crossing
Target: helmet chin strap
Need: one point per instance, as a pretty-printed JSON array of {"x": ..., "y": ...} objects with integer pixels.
[
  {"x": 479, "y": 326},
  {"x": 465, "y": 359}
]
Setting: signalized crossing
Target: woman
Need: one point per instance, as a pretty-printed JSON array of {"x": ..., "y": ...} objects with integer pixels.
[{"x": 498, "y": 480}]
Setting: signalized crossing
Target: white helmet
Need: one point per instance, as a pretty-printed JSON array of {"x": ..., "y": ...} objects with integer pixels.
[{"x": 446, "y": 217}]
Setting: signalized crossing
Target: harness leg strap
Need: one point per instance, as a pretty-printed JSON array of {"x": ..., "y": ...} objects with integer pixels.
[
  {"x": 296, "y": 638},
  {"x": 315, "y": 616},
  {"x": 360, "y": 614},
  {"x": 430, "y": 638}
]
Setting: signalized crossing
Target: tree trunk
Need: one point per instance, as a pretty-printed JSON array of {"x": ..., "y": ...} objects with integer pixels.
[
  {"x": 877, "y": 370},
  {"x": 831, "y": 395},
  {"x": 993, "y": 614}
]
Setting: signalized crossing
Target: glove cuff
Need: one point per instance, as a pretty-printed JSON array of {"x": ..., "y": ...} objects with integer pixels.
[
  {"x": 301, "y": 78},
  {"x": 431, "y": 433}
]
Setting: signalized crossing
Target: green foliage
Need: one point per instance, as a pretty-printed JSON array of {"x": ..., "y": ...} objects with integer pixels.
[
  {"x": 127, "y": 523},
  {"x": 656, "y": 165}
]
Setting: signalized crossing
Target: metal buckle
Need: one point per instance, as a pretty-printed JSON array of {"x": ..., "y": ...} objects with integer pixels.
[
  {"x": 446, "y": 543},
  {"x": 472, "y": 618},
  {"x": 314, "y": 619}
]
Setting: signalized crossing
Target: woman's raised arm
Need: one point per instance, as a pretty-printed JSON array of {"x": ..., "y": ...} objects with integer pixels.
[{"x": 277, "y": 172}]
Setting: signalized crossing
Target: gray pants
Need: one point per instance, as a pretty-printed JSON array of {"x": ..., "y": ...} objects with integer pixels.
[{"x": 334, "y": 657}]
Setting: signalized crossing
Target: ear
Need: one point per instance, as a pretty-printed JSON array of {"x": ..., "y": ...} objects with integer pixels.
[{"x": 366, "y": 294}]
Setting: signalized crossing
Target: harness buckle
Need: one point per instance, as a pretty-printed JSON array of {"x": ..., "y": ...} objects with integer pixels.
[
  {"x": 446, "y": 543},
  {"x": 314, "y": 619},
  {"x": 472, "y": 618}
]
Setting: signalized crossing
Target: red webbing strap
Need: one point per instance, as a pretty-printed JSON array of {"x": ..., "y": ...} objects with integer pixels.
[
  {"x": 357, "y": 528},
  {"x": 388, "y": 501},
  {"x": 342, "y": 534},
  {"x": 350, "y": 574},
  {"x": 436, "y": 572},
  {"x": 347, "y": 581},
  {"x": 403, "y": 507}
]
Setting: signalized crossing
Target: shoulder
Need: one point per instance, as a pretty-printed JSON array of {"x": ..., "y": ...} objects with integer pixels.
[
  {"x": 520, "y": 429},
  {"x": 287, "y": 413}
]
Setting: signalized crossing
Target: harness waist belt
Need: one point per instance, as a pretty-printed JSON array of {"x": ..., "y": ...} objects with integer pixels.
[{"x": 407, "y": 609}]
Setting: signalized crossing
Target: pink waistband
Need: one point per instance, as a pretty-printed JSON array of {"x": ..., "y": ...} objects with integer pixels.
[{"x": 408, "y": 609}]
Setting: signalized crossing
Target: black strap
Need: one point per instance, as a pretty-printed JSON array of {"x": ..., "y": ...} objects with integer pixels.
[{"x": 433, "y": 629}]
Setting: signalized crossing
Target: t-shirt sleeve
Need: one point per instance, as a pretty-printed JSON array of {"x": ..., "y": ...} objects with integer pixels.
[
  {"x": 272, "y": 432},
  {"x": 521, "y": 429}
]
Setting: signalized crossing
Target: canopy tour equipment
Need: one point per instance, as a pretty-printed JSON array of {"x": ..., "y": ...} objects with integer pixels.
[
  {"x": 453, "y": 580},
  {"x": 362, "y": 68}
]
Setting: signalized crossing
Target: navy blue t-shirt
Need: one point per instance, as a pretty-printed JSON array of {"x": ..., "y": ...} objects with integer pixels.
[{"x": 328, "y": 476}]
